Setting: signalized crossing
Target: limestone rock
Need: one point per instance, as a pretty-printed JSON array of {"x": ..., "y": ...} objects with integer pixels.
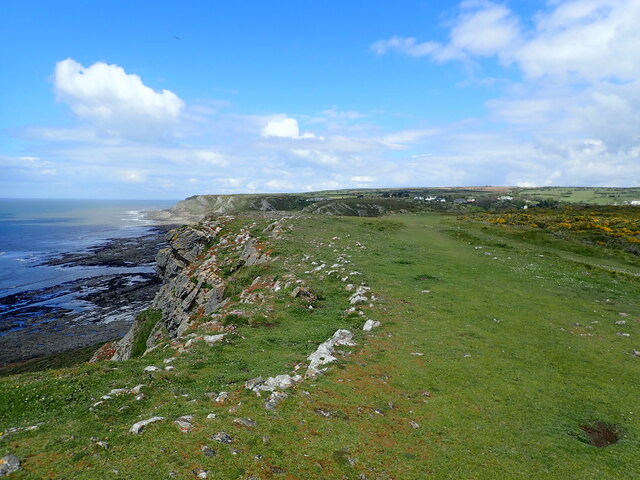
[
  {"x": 138, "y": 427},
  {"x": 213, "y": 339},
  {"x": 222, "y": 437},
  {"x": 370, "y": 325},
  {"x": 208, "y": 452},
  {"x": 251, "y": 255},
  {"x": 324, "y": 352},
  {"x": 360, "y": 295},
  {"x": 274, "y": 399},
  {"x": 218, "y": 397},
  {"x": 245, "y": 422},
  {"x": 9, "y": 464},
  {"x": 253, "y": 383},
  {"x": 184, "y": 423}
]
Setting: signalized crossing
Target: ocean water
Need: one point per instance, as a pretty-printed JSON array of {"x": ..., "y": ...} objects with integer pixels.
[{"x": 33, "y": 230}]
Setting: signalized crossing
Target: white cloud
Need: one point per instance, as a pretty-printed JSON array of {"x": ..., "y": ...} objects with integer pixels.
[
  {"x": 116, "y": 102},
  {"x": 483, "y": 28},
  {"x": 131, "y": 176},
  {"x": 576, "y": 39},
  {"x": 317, "y": 156},
  {"x": 279, "y": 185},
  {"x": 575, "y": 110},
  {"x": 363, "y": 179},
  {"x": 284, "y": 127},
  {"x": 348, "y": 115}
]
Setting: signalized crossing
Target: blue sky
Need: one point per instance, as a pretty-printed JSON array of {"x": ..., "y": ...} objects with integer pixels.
[{"x": 100, "y": 100}]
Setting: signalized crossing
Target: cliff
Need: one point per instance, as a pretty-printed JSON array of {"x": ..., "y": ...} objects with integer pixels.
[{"x": 195, "y": 270}]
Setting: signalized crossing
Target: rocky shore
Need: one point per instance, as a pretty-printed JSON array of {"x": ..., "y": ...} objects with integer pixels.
[{"x": 86, "y": 311}]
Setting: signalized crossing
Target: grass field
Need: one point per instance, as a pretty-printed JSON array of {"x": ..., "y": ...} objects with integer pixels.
[
  {"x": 583, "y": 195},
  {"x": 497, "y": 351}
]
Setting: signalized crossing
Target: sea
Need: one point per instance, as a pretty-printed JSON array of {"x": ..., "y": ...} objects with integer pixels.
[{"x": 35, "y": 230}]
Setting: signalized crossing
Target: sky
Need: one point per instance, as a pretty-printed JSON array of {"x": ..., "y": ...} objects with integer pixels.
[{"x": 167, "y": 99}]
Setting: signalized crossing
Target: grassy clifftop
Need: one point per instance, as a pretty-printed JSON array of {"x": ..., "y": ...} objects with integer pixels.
[
  {"x": 499, "y": 355},
  {"x": 376, "y": 202}
]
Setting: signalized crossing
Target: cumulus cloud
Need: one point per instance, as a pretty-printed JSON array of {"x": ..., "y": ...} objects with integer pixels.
[
  {"x": 284, "y": 127},
  {"x": 117, "y": 103},
  {"x": 578, "y": 96},
  {"x": 483, "y": 28},
  {"x": 576, "y": 39},
  {"x": 363, "y": 179}
]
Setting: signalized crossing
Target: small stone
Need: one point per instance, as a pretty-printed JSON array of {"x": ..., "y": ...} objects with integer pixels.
[
  {"x": 169, "y": 360},
  {"x": 213, "y": 339},
  {"x": 622, "y": 314},
  {"x": 184, "y": 423},
  {"x": 102, "y": 444},
  {"x": 211, "y": 416},
  {"x": 621, "y": 322},
  {"x": 414, "y": 424},
  {"x": 221, "y": 397},
  {"x": 137, "y": 389},
  {"x": 274, "y": 399},
  {"x": 138, "y": 427},
  {"x": 208, "y": 452},
  {"x": 116, "y": 392},
  {"x": 9, "y": 464},
  {"x": 426, "y": 394},
  {"x": 139, "y": 397},
  {"x": 222, "y": 437},
  {"x": 622, "y": 334},
  {"x": 151, "y": 369},
  {"x": 417, "y": 354},
  {"x": 201, "y": 473},
  {"x": 234, "y": 451},
  {"x": 370, "y": 325},
  {"x": 245, "y": 422},
  {"x": 467, "y": 355},
  {"x": 253, "y": 383},
  {"x": 168, "y": 368}
]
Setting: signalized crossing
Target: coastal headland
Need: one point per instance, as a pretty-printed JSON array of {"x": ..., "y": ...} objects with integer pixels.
[{"x": 418, "y": 336}]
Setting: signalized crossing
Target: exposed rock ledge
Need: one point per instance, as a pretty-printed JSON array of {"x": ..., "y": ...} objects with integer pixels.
[{"x": 193, "y": 283}]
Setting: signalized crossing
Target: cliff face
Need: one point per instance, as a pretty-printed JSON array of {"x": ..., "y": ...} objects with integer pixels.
[
  {"x": 198, "y": 207},
  {"x": 186, "y": 286},
  {"x": 194, "y": 270}
]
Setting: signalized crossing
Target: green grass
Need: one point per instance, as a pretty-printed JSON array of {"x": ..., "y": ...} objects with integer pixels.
[
  {"x": 146, "y": 321},
  {"x": 519, "y": 350},
  {"x": 583, "y": 195},
  {"x": 60, "y": 360}
]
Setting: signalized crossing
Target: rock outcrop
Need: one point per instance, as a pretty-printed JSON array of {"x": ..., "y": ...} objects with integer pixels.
[
  {"x": 194, "y": 269},
  {"x": 184, "y": 287}
]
